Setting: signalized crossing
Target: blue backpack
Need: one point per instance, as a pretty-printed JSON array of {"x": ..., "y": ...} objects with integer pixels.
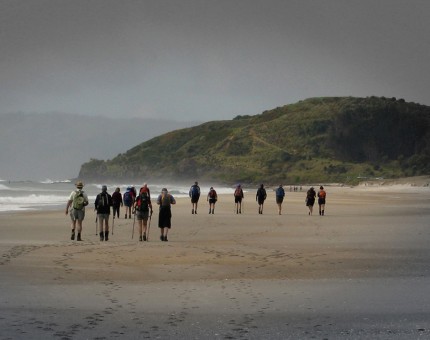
[
  {"x": 128, "y": 198},
  {"x": 195, "y": 192}
]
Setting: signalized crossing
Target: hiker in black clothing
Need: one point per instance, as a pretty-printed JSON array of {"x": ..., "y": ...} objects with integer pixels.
[
  {"x": 260, "y": 197},
  {"x": 165, "y": 200},
  {"x": 194, "y": 195},
  {"x": 102, "y": 205},
  {"x": 238, "y": 197},
  {"x": 212, "y": 198},
  {"x": 143, "y": 210},
  {"x": 310, "y": 199},
  {"x": 116, "y": 202}
]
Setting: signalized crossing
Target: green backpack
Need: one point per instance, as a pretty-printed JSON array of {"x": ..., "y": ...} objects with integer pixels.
[{"x": 79, "y": 200}]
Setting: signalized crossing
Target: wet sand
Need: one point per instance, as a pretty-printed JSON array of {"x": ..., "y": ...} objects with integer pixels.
[{"x": 360, "y": 271}]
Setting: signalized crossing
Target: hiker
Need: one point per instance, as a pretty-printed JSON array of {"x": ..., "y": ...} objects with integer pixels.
[
  {"x": 102, "y": 205},
  {"x": 145, "y": 188},
  {"x": 279, "y": 195},
  {"x": 260, "y": 197},
  {"x": 321, "y": 200},
  {"x": 310, "y": 199},
  {"x": 212, "y": 198},
  {"x": 165, "y": 200},
  {"x": 78, "y": 199},
  {"x": 238, "y": 197},
  {"x": 143, "y": 210},
  {"x": 194, "y": 195},
  {"x": 128, "y": 199},
  {"x": 116, "y": 202}
]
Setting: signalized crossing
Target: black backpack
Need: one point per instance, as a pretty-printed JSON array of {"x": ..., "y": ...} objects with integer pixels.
[{"x": 143, "y": 201}]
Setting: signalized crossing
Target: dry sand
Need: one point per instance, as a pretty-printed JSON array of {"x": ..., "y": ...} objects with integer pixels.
[{"x": 361, "y": 271}]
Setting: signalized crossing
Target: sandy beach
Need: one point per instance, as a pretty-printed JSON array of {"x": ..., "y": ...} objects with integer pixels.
[{"x": 360, "y": 271}]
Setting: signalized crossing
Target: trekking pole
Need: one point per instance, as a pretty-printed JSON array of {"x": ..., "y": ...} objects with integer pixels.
[
  {"x": 134, "y": 220},
  {"x": 149, "y": 227},
  {"x": 96, "y": 225}
]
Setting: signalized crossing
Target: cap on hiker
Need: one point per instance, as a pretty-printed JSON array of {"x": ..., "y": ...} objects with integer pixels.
[
  {"x": 164, "y": 190},
  {"x": 79, "y": 184},
  {"x": 104, "y": 188}
]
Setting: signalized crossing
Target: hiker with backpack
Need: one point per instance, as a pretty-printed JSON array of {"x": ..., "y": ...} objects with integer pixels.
[
  {"x": 78, "y": 199},
  {"x": 128, "y": 200},
  {"x": 212, "y": 198},
  {"x": 279, "y": 196},
  {"x": 165, "y": 200},
  {"x": 143, "y": 211},
  {"x": 238, "y": 197},
  {"x": 310, "y": 199},
  {"x": 194, "y": 194},
  {"x": 116, "y": 202},
  {"x": 321, "y": 200},
  {"x": 260, "y": 197},
  {"x": 102, "y": 205}
]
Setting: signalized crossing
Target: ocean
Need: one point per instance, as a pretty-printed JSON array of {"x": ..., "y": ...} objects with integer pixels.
[{"x": 51, "y": 195}]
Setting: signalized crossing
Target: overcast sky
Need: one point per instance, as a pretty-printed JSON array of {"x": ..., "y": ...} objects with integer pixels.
[{"x": 207, "y": 59}]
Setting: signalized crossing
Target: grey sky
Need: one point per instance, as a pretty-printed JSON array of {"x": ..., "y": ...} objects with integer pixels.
[{"x": 207, "y": 60}]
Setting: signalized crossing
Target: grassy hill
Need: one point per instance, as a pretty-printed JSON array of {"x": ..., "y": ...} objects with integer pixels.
[{"x": 315, "y": 140}]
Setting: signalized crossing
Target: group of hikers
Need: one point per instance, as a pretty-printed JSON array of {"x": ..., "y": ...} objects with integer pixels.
[{"x": 139, "y": 204}]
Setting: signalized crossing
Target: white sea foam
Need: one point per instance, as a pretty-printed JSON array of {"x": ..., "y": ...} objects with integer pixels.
[
  {"x": 30, "y": 202},
  {"x": 16, "y": 196}
]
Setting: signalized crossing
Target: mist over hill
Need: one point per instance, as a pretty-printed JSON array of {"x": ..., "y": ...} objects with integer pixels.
[
  {"x": 336, "y": 139},
  {"x": 54, "y": 145}
]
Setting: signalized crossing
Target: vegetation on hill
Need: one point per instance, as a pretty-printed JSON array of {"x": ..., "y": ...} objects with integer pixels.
[{"x": 336, "y": 139}]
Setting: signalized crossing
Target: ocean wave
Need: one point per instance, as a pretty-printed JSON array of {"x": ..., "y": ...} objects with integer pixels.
[{"x": 30, "y": 202}]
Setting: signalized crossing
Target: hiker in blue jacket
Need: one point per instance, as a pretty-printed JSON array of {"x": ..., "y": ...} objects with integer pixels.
[
  {"x": 194, "y": 195},
  {"x": 280, "y": 194}
]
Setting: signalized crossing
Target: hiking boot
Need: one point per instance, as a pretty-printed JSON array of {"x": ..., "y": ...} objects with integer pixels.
[
  {"x": 195, "y": 211},
  {"x": 79, "y": 237},
  {"x": 144, "y": 237},
  {"x": 165, "y": 238},
  {"x": 140, "y": 238},
  {"x": 125, "y": 216},
  {"x": 161, "y": 238},
  {"x": 106, "y": 235},
  {"x": 101, "y": 236},
  {"x": 73, "y": 235}
]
